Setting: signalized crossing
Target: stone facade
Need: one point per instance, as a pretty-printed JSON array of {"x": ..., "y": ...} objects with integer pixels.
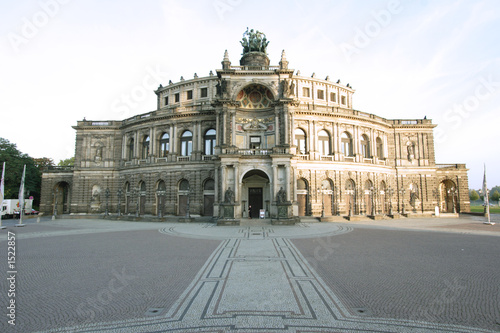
[{"x": 255, "y": 130}]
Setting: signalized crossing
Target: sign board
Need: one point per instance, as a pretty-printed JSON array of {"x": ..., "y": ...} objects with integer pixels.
[{"x": 262, "y": 213}]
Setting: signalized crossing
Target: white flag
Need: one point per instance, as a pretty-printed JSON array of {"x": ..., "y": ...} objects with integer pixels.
[
  {"x": 2, "y": 184},
  {"x": 21, "y": 192}
]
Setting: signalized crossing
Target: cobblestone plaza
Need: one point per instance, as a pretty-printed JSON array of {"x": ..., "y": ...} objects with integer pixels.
[{"x": 407, "y": 275}]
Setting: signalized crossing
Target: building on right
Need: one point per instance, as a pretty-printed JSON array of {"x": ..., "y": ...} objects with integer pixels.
[{"x": 261, "y": 136}]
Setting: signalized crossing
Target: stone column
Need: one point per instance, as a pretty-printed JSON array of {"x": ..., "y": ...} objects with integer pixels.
[
  {"x": 152, "y": 141},
  {"x": 277, "y": 129},
  {"x": 287, "y": 184},
  {"x": 136, "y": 145},
  {"x": 236, "y": 185}
]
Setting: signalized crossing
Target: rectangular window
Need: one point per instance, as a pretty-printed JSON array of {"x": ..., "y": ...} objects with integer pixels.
[
  {"x": 189, "y": 94},
  {"x": 166, "y": 100},
  {"x": 204, "y": 92},
  {"x": 343, "y": 100},
  {"x": 321, "y": 94},
  {"x": 333, "y": 97},
  {"x": 306, "y": 92},
  {"x": 177, "y": 98}
]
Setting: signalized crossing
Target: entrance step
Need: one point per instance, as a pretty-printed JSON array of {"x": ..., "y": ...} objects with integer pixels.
[{"x": 254, "y": 222}]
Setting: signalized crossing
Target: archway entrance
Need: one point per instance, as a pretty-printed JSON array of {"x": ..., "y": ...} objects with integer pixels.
[
  {"x": 303, "y": 196},
  {"x": 61, "y": 196},
  {"x": 448, "y": 196},
  {"x": 256, "y": 192}
]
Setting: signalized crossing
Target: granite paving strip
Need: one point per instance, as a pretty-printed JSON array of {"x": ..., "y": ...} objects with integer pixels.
[{"x": 258, "y": 281}]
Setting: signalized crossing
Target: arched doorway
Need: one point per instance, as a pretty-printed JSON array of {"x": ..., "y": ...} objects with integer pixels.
[
  {"x": 142, "y": 200},
  {"x": 302, "y": 196},
  {"x": 208, "y": 197},
  {"x": 382, "y": 200},
  {"x": 368, "y": 197},
  {"x": 448, "y": 196},
  {"x": 128, "y": 198},
  {"x": 61, "y": 197},
  {"x": 183, "y": 195},
  {"x": 160, "y": 198},
  {"x": 350, "y": 197},
  {"x": 327, "y": 193},
  {"x": 255, "y": 190}
]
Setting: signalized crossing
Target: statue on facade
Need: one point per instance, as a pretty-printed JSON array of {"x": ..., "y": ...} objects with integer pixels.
[
  {"x": 98, "y": 153},
  {"x": 281, "y": 196},
  {"x": 254, "y": 41},
  {"x": 292, "y": 88},
  {"x": 411, "y": 150},
  {"x": 284, "y": 88},
  {"x": 413, "y": 194},
  {"x": 221, "y": 87},
  {"x": 229, "y": 196}
]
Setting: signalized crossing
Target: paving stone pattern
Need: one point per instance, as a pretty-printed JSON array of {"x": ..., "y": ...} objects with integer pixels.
[{"x": 103, "y": 276}]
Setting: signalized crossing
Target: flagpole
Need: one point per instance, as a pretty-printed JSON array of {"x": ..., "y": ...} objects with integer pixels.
[
  {"x": 2, "y": 182},
  {"x": 486, "y": 199},
  {"x": 21, "y": 199}
]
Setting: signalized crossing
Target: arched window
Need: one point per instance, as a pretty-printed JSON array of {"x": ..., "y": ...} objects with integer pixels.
[
  {"x": 184, "y": 185},
  {"x": 209, "y": 185},
  {"x": 161, "y": 186},
  {"x": 209, "y": 142},
  {"x": 130, "y": 149},
  {"x": 145, "y": 147},
  {"x": 186, "y": 143},
  {"x": 300, "y": 140},
  {"x": 164, "y": 145},
  {"x": 142, "y": 186},
  {"x": 365, "y": 146},
  {"x": 346, "y": 144},
  {"x": 380, "y": 148},
  {"x": 323, "y": 143}
]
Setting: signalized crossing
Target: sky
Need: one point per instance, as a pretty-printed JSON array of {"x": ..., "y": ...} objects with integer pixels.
[{"x": 63, "y": 60}]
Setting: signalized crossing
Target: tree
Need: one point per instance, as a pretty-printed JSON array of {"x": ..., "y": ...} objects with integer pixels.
[
  {"x": 473, "y": 195},
  {"x": 14, "y": 163},
  {"x": 495, "y": 196},
  {"x": 43, "y": 162},
  {"x": 67, "y": 162}
]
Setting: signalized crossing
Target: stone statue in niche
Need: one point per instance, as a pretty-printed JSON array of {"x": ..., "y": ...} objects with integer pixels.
[
  {"x": 292, "y": 89},
  {"x": 411, "y": 150},
  {"x": 229, "y": 196},
  {"x": 281, "y": 196},
  {"x": 98, "y": 153},
  {"x": 96, "y": 194},
  {"x": 413, "y": 194},
  {"x": 284, "y": 88}
]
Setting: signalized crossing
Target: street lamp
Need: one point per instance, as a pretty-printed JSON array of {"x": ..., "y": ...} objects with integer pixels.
[
  {"x": 119, "y": 194},
  {"x": 372, "y": 192},
  {"x": 106, "y": 194},
  {"x": 188, "y": 203},
  {"x": 403, "y": 191},
  {"x": 136, "y": 191},
  {"x": 335, "y": 203},
  {"x": 322, "y": 191},
  {"x": 160, "y": 194},
  {"x": 390, "y": 193}
]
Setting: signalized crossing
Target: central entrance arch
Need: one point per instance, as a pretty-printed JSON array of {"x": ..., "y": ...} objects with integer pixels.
[{"x": 255, "y": 193}]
